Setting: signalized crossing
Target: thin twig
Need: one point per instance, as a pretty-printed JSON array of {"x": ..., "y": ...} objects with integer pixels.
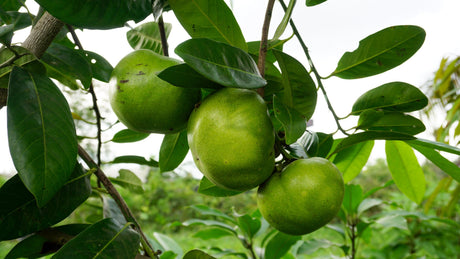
[
  {"x": 315, "y": 72},
  {"x": 264, "y": 43},
  {"x": 164, "y": 41},
  {"x": 118, "y": 199}
]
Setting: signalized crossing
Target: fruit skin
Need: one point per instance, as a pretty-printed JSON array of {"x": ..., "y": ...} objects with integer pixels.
[
  {"x": 305, "y": 196},
  {"x": 231, "y": 139},
  {"x": 142, "y": 101}
]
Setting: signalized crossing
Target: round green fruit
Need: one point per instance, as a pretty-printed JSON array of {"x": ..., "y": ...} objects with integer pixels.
[
  {"x": 142, "y": 101},
  {"x": 231, "y": 139},
  {"x": 305, "y": 196}
]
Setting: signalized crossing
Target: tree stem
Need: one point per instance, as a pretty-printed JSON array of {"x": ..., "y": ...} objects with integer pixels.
[
  {"x": 264, "y": 42},
  {"x": 164, "y": 41}
]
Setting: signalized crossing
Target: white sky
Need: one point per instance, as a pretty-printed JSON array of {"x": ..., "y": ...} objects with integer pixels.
[{"x": 329, "y": 30}]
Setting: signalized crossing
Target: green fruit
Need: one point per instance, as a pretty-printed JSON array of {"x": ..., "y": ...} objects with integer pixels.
[
  {"x": 231, "y": 139},
  {"x": 305, "y": 196},
  {"x": 145, "y": 103}
]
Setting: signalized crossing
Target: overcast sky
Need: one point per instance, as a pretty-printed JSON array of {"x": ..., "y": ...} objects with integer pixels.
[{"x": 329, "y": 30}]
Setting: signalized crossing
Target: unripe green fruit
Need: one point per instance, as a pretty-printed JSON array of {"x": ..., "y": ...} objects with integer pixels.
[
  {"x": 142, "y": 101},
  {"x": 305, "y": 196},
  {"x": 231, "y": 139}
]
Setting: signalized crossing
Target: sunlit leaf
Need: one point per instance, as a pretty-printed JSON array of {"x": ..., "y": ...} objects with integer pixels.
[
  {"x": 127, "y": 179},
  {"x": 173, "y": 150},
  {"x": 279, "y": 245},
  {"x": 147, "y": 36},
  {"x": 350, "y": 161},
  {"x": 127, "y": 136}
]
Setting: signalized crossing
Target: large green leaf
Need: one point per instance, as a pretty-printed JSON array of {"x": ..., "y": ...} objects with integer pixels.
[
  {"x": 293, "y": 122},
  {"x": 443, "y": 163},
  {"x": 101, "y": 68},
  {"x": 67, "y": 65},
  {"x": 221, "y": 63},
  {"x": 208, "y": 188},
  {"x": 98, "y": 14},
  {"x": 249, "y": 225},
  {"x": 19, "y": 214},
  {"x": 279, "y": 245},
  {"x": 104, "y": 239},
  {"x": 147, "y": 36},
  {"x": 134, "y": 160},
  {"x": 129, "y": 180},
  {"x": 405, "y": 170},
  {"x": 391, "y": 121},
  {"x": 380, "y": 52},
  {"x": 210, "y": 19},
  {"x": 434, "y": 145},
  {"x": 127, "y": 136},
  {"x": 394, "y": 96},
  {"x": 352, "y": 198},
  {"x": 45, "y": 242},
  {"x": 299, "y": 90},
  {"x": 351, "y": 160},
  {"x": 183, "y": 75},
  {"x": 41, "y": 133},
  {"x": 173, "y": 150}
]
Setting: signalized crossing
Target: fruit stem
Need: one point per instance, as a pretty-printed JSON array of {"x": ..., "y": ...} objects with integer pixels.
[
  {"x": 264, "y": 43},
  {"x": 164, "y": 41},
  {"x": 313, "y": 69}
]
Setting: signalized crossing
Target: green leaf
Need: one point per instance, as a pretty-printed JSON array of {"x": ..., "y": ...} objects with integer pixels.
[
  {"x": 392, "y": 121},
  {"x": 249, "y": 225},
  {"x": 101, "y": 69},
  {"x": 380, "y": 52},
  {"x": 205, "y": 210},
  {"x": 293, "y": 122},
  {"x": 41, "y": 133},
  {"x": 279, "y": 245},
  {"x": 19, "y": 214},
  {"x": 110, "y": 209},
  {"x": 367, "y": 204},
  {"x": 314, "y": 2},
  {"x": 173, "y": 150},
  {"x": 40, "y": 244},
  {"x": 197, "y": 254},
  {"x": 221, "y": 63},
  {"x": 101, "y": 14},
  {"x": 325, "y": 143},
  {"x": 210, "y": 19},
  {"x": 10, "y": 5},
  {"x": 168, "y": 244},
  {"x": 312, "y": 245},
  {"x": 394, "y": 96},
  {"x": 147, "y": 36},
  {"x": 299, "y": 88},
  {"x": 296, "y": 150},
  {"x": 183, "y": 75},
  {"x": 6, "y": 54},
  {"x": 368, "y": 135},
  {"x": 128, "y": 180},
  {"x": 104, "y": 239},
  {"x": 67, "y": 65},
  {"x": 405, "y": 170},
  {"x": 16, "y": 22},
  {"x": 284, "y": 22},
  {"x": 134, "y": 160},
  {"x": 434, "y": 145},
  {"x": 350, "y": 161},
  {"x": 127, "y": 135},
  {"x": 212, "y": 233},
  {"x": 352, "y": 198},
  {"x": 208, "y": 188},
  {"x": 443, "y": 163},
  {"x": 310, "y": 143},
  {"x": 209, "y": 222}
]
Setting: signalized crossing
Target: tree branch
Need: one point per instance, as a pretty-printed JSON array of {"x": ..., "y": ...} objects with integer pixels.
[
  {"x": 164, "y": 41},
  {"x": 264, "y": 42}
]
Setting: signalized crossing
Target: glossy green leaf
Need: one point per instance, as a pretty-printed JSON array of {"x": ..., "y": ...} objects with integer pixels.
[
  {"x": 101, "y": 68},
  {"x": 134, "y": 160},
  {"x": 279, "y": 245},
  {"x": 284, "y": 22},
  {"x": 312, "y": 245},
  {"x": 293, "y": 122},
  {"x": 209, "y": 222},
  {"x": 147, "y": 36},
  {"x": 443, "y": 163},
  {"x": 104, "y": 239},
  {"x": 127, "y": 136},
  {"x": 380, "y": 52},
  {"x": 350, "y": 161},
  {"x": 391, "y": 121},
  {"x": 183, "y": 75},
  {"x": 197, "y": 254},
  {"x": 405, "y": 170},
  {"x": 19, "y": 214},
  {"x": 221, "y": 63},
  {"x": 352, "y": 198},
  {"x": 210, "y": 19},
  {"x": 394, "y": 96},
  {"x": 434, "y": 145},
  {"x": 67, "y": 65},
  {"x": 208, "y": 188},
  {"x": 325, "y": 143},
  {"x": 249, "y": 225},
  {"x": 41, "y": 133},
  {"x": 168, "y": 244},
  {"x": 173, "y": 150},
  {"x": 38, "y": 245},
  {"x": 110, "y": 209},
  {"x": 6, "y": 55},
  {"x": 101, "y": 14},
  {"x": 368, "y": 135},
  {"x": 205, "y": 210},
  {"x": 212, "y": 233},
  {"x": 314, "y": 2},
  {"x": 129, "y": 180},
  {"x": 367, "y": 204},
  {"x": 299, "y": 88}
]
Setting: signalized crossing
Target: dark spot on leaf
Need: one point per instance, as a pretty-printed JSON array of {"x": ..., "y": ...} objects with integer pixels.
[
  {"x": 124, "y": 81},
  {"x": 379, "y": 63},
  {"x": 140, "y": 73},
  {"x": 197, "y": 105}
]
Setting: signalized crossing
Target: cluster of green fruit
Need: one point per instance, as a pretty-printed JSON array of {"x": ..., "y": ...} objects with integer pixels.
[{"x": 231, "y": 138}]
